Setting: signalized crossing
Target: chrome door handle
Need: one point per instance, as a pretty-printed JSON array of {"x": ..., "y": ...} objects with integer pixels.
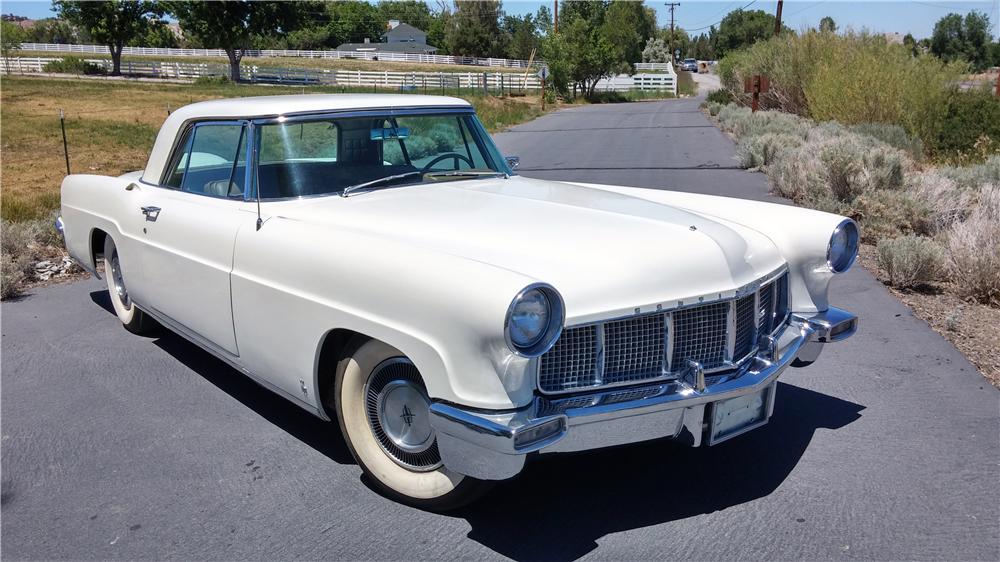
[{"x": 152, "y": 213}]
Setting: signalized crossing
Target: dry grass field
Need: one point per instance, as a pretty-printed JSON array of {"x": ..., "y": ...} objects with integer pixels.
[{"x": 110, "y": 127}]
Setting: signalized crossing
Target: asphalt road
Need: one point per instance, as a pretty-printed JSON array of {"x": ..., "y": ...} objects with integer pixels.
[{"x": 116, "y": 446}]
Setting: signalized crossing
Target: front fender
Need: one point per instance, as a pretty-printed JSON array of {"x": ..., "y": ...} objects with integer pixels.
[{"x": 444, "y": 312}]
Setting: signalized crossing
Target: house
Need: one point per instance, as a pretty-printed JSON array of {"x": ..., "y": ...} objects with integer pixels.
[
  {"x": 400, "y": 38},
  {"x": 403, "y": 33}
]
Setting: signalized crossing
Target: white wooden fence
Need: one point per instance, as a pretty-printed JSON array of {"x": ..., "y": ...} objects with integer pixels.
[
  {"x": 327, "y": 54},
  {"x": 419, "y": 81}
]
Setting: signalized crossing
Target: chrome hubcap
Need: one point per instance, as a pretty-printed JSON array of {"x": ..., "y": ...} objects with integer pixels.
[
  {"x": 399, "y": 415},
  {"x": 116, "y": 278}
]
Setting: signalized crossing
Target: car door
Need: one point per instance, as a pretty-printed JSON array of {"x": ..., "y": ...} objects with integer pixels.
[{"x": 190, "y": 230}]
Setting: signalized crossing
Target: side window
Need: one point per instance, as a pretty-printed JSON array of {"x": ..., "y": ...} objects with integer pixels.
[
  {"x": 212, "y": 162},
  {"x": 179, "y": 162},
  {"x": 311, "y": 141}
]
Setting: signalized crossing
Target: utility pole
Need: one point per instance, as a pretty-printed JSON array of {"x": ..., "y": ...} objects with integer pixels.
[
  {"x": 556, "y": 20},
  {"x": 777, "y": 20},
  {"x": 671, "y": 6}
]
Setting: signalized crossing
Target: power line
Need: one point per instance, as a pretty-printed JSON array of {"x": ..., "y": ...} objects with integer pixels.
[{"x": 720, "y": 21}]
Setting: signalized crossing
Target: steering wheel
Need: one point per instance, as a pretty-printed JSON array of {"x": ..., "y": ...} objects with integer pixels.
[{"x": 446, "y": 156}]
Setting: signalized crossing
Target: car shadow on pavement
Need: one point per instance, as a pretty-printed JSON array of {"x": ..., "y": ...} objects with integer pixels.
[{"x": 559, "y": 507}]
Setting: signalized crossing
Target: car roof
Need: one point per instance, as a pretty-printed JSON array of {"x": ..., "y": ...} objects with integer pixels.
[{"x": 276, "y": 106}]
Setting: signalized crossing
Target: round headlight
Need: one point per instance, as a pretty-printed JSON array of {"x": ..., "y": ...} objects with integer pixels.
[
  {"x": 534, "y": 320},
  {"x": 843, "y": 246}
]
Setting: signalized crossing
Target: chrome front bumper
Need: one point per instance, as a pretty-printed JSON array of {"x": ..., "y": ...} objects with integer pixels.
[{"x": 493, "y": 445}]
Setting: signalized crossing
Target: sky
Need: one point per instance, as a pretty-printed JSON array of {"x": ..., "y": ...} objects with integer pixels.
[{"x": 903, "y": 16}]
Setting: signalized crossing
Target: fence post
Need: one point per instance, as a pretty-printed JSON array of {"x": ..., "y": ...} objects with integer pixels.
[{"x": 62, "y": 125}]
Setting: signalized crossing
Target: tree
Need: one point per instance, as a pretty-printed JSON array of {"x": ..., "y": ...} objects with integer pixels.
[
  {"x": 474, "y": 29},
  {"x": 112, "y": 23},
  {"x": 656, "y": 50},
  {"x": 627, "y": 26},
  {"x": 523, "y": 36},
  {"x": 412, "y": 12},
  {"x": 968, "y": 39},
  {"x": 827, "y": 25},
  {"x": 11, "y": 37},
  {"x": 52, "y": 30},
  {"x": 911, "y": 44},
  {"x": 231, "y": 25},
  {"x": 677, "y": 40},
  {"x": 741, "y": 28},
  {"x": 159, "y": 35}
]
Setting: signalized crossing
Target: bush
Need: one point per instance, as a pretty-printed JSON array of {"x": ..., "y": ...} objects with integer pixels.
[
  {"x": 713, "y": 108},
  {"x": 855, "y": 166},
  {"x": 910, "y": 261},
  {"x": 886, "y": 214},
  {"x": 73, "y": 65},
  {"x": 969, "y": 117},
  {"x": 892, "y": 135},
  {"x": 721, "y": 96},
  {"x": 946, "y": 202},
  {"x": 22, "y": 245},
  {"x": 974, "y": 177},
  {"x": 973, "y": 250},
  {"x": 850, "y": 78},
  {"x": 763, "y": 150},
  {"x": 213, "y": 80}
]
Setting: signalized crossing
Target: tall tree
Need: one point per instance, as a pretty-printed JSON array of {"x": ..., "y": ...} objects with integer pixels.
[
  {"x": 413, "y": 12},
  {"x": 232, "y": 26},
  {"x": 112, "y": 23},
  {"x": 474, "y": 29},
  {"x": 742, "y": 28},
  {"x": 827, "y": 25},
  {"x": 627, "y": 26},
  {"x": 958, "y": 38},
  {"x": 523, "y": 33},
  {"x": 11, "y": 37}
]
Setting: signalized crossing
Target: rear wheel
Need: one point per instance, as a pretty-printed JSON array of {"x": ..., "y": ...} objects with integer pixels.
[
  {"x": 383, "y": 410},
  {"x": 134, "y": 320}
]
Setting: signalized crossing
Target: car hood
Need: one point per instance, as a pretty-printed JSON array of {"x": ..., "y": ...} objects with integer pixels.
[{"x": 605, "y": 252}]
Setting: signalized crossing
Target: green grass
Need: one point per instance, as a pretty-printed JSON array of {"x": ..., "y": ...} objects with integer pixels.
[{"x": 686, "y": 85}]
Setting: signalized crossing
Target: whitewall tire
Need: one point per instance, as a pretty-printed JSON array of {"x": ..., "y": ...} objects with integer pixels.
[
  {"x": 134, "y": 320},
  {"x": 382, "y": 408}
]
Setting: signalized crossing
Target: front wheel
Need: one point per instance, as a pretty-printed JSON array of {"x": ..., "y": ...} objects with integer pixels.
[
  {"x": 384, "y": 414},
  {"x": 134, "y": 320}
]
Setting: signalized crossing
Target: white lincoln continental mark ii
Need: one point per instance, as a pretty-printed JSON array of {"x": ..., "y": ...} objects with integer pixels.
[{"x": 375, "y": 259}]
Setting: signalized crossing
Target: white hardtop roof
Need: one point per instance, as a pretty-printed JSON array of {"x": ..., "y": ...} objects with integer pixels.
[
  {"x": 273, "y": 106},
  {"x": 266, "y": 106}
]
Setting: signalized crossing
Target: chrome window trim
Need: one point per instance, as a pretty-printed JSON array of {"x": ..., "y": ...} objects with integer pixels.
[
  {"x": 729, "y": 369},
  {"x": 189, "y": 126},
  {"x": 373, "y": 112}
]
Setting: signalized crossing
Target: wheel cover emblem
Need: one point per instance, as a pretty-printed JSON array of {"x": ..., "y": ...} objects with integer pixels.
[{"x": 407, "y": 416}]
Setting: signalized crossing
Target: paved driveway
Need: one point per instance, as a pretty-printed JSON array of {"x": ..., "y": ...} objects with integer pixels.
[{"x": 118, "y": 446}]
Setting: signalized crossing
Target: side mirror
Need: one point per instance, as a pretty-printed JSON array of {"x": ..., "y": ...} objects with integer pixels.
[{"x": 513, "y": 162}]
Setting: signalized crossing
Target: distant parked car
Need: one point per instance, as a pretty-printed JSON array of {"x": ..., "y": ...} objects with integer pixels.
[
  {"x": 690, "y": 65},
  {"x": 376, "y": 260}
]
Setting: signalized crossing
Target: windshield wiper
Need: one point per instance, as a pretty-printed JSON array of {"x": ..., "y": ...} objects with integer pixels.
[
  {"x": 378, "y": 181},
  {"x": 460, "y": 173}
]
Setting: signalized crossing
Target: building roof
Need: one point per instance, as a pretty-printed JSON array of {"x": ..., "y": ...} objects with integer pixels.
[
  {"x": 407, "y": 47},
  {"x": 404, "y": 28},
  {"x": 275, "y": 106}
]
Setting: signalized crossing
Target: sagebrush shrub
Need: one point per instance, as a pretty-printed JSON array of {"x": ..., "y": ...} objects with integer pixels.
[
  {"x": 892, "y": 135},
  {"x": 763, "y": 150},
  {"x": 974, "y": 251},
  {"x": 910, "y": 261},
  {"x": 974, "y": 177},
  {"x": 946, "y": 202},
  {"x": 889, "y": 213}
]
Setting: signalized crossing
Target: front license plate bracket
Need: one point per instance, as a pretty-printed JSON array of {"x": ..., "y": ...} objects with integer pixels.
[{"x": 736, "y": 416}]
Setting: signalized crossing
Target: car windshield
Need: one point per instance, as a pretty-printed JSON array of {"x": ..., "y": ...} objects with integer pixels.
[{"x": 328, "y": 155}]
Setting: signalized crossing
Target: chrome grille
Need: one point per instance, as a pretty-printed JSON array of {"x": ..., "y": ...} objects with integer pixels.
[
  {"x": 633, "y": 349},
  {"x": 745, "y": 326},
  {"x": 700, "y": 335},
  {"x": 572, "y": 361},
  {"x": 765, "y": 313},
  {"x": 659, "y": 345}
]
